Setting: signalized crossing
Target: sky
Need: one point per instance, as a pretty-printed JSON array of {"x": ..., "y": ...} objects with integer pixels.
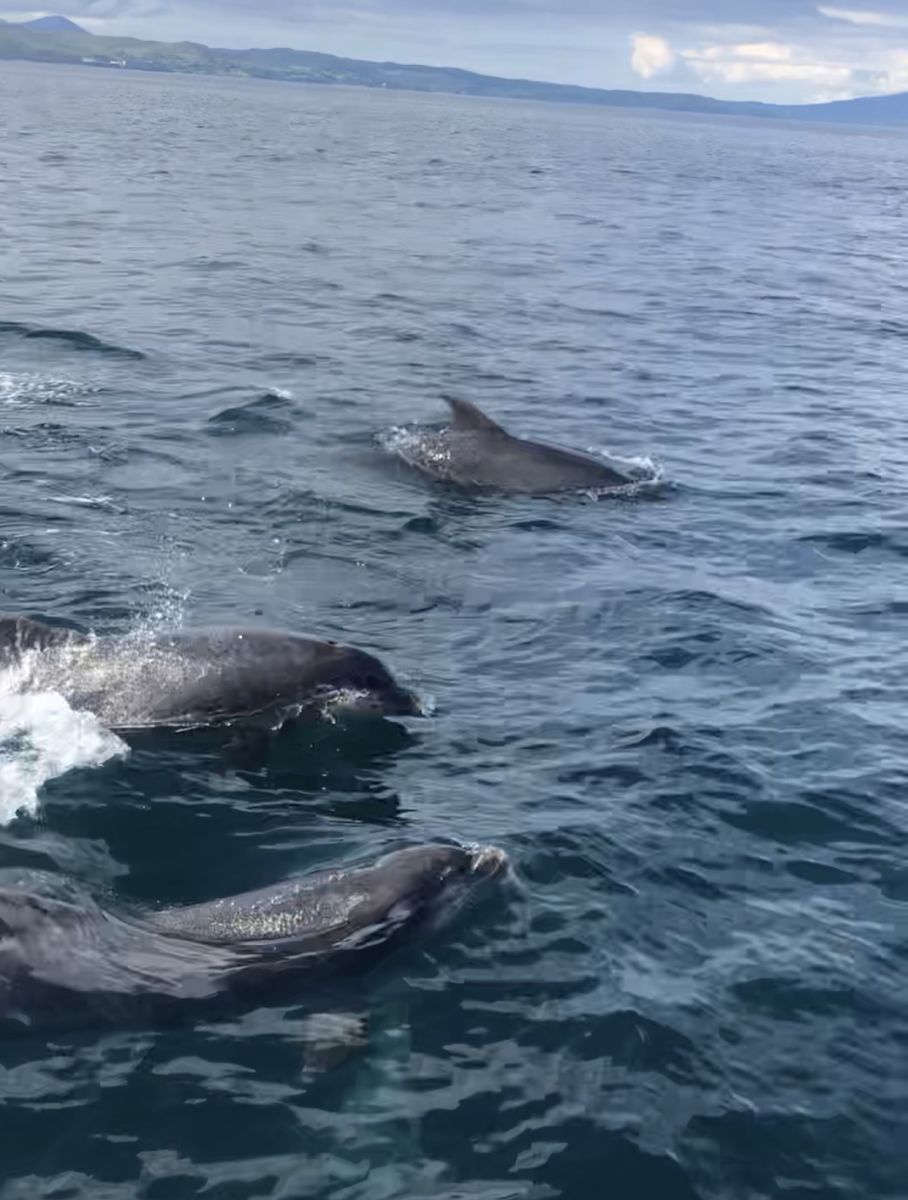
[{"x": 786, "y": 51}]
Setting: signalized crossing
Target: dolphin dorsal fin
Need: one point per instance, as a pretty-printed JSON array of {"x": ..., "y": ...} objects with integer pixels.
[{"x": 468, "y": 416}]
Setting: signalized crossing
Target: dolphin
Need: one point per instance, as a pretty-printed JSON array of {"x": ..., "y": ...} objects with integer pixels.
[
  {"x": 184, "y": 680},
  {"x": 69, "y": 962},
  {"x": 476, "y": 452}
]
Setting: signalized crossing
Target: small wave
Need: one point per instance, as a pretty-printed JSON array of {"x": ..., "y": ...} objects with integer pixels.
[
  {"x": 41, "y": 737},
  {"x": 75, "y": 338},
  {"x": 859, "y": 541},
  {"x": 105, "y": 503},
  {"x": 622, "y": 491},
  {"x": 257, "y": 416}
]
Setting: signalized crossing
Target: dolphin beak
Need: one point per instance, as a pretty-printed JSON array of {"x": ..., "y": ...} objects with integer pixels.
[
  {"x": 391, "y": 700},
  {"x": 405, "y": 704},
  {"x": 488, "y": 861}
]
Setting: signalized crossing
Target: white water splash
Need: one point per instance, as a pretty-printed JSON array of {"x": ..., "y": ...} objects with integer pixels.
[
  {"x": 643, "y": 475},
  {"x": 164, "y": 608},
  {"x": 41, "y": 737},
  {"x": 408, "y": 441},
  {"x": 640, "y": 468},
  {"x": 23, "y": 388}
]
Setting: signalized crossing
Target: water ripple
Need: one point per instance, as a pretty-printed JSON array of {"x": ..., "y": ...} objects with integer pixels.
[{"x": 682, "y": 713}]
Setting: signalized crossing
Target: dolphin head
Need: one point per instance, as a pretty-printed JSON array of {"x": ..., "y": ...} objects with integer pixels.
[
  {"x": 429, "y": 884},
  {"x": 357, "y": 684}
]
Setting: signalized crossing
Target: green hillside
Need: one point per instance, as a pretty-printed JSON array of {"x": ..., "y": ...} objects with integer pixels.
[{"x": 71, "y": 45}]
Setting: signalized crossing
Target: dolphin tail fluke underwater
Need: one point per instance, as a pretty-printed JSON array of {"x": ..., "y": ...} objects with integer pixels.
[{"x": 331, "y": 1038}]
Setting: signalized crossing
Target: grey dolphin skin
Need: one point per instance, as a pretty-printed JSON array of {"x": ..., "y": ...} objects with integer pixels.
[
  {"x": 67, "y": 962},
  {"x": 474, "y": 451},
  {"x": 188, "y": 679}
]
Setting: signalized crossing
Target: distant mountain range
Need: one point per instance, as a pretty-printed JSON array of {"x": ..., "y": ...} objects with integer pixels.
[
  {"x": 54, "y": 25},
  {"x": 59, "y": 40}
]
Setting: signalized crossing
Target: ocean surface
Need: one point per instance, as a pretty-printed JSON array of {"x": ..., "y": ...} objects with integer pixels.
[{"x": 682, "y": 711}]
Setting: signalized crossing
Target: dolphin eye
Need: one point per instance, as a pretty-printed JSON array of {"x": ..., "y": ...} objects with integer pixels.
[{"x": 373, "y": 682}]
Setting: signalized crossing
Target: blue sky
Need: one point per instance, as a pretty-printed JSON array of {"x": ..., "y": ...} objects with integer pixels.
[{"x": 779, "y": 50}]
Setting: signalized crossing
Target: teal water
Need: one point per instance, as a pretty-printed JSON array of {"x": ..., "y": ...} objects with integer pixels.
[{"x": 682, "y": 714}]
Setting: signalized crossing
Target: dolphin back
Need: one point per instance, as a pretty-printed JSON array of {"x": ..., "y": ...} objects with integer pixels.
[
  {"x": 325, "y": 908},
  {"x": 313, "y": 908},
  {"x": 476, "y": 451}
]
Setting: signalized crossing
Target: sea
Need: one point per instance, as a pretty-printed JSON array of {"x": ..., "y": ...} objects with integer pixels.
[{"x": 680, "y": 709}]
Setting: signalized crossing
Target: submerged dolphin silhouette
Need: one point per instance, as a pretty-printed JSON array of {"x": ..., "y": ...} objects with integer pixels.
[
  {"x": 182, "y": 680},
  {"x": 475, "y": 451},
  {"x": 67, "y": 962}
]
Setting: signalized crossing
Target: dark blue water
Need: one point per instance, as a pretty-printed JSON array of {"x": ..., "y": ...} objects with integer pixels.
[{"x": 682, "y": 714}]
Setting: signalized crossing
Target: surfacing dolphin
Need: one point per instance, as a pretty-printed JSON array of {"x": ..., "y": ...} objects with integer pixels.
[
  {"x": 68, "y": 962},
  {"x": 475, "y": 452},
  {"x": 182, "y": 680}
]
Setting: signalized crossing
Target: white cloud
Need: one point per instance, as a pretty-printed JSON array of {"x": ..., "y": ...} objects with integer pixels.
[
  {"x": 759, "y": 51},
  {"x": 854, "y": 16},
  {"x": 820, "y": 74},
  {"x": 651, "y": 55},
  {"x": 764, "y": 51},
  {"x": 772, "y": 63},
  {"x": 852, "y": 52},
  {"x": 894, "y": 77}
]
